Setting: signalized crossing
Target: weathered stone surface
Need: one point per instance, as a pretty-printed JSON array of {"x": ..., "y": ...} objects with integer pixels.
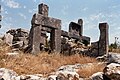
[
  {"x": 64, "y": 33},
  {"x": 104, "y": 39},
  {"x": 112, "y": 71},
  {"x": 113, "y": 58},
  {"x": 97, "y": 76},
  {"x": 32, "y": 77},
  {"x": 8, "y": 39},
  {"x": 22, "y": 33},
  {"x": 18, "y": 44},
  {"x": 6, "y": 74},
  {"x": 39, "y": 19},
  {"x": 20, "y": 38},
  {"x": 110, "y": 58},
  {"x": 75, "y": 29},
  {"x": 18, "y": 32},
  {"x": 100, "y": 47},
  {"x": 43, "y": 9},
  {"x": 80, "y": 22},
  {"x": 34, "y": 40}
]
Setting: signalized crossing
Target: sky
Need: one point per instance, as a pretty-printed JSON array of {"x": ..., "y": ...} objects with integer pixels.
[{"x": 18, "y": 14}]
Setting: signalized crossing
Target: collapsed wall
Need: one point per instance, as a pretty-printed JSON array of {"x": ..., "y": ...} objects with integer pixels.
[{"x": 17, "y": 38}]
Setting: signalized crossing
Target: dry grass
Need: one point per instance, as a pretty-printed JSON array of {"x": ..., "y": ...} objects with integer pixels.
[{"x": 43, "y": 63}]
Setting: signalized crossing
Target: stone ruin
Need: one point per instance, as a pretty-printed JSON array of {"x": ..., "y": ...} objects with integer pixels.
[
  {"x": 17, "y": 38},
  {"x": 42, "y": 24},
  {"x": 61, "y": 41}
]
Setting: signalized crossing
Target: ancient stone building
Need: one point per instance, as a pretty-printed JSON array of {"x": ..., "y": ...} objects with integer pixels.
[{"x": 42, "y": 24}]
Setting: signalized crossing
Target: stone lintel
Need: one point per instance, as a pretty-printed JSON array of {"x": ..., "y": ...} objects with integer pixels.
[
  {"x": 39, "y": 19},
  {"x": 46, "y": 29}
]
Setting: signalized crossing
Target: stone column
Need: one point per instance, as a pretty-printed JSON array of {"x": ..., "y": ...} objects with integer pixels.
[
  {"x": 104, "y": 39},
  {"x": 80, "y": 22},
  {"x": 43, "y": 9}
]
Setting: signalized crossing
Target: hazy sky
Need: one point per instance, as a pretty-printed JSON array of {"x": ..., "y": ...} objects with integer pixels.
[{"x": 18, "y": 14}]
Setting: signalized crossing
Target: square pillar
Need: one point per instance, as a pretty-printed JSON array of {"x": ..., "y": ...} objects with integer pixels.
[
  {"x": 56, "y": 40},
  {"x": 35, "y": 37},
  {"x": 104, "y": 39}
]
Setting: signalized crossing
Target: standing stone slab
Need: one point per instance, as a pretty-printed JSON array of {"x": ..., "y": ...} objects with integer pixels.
[
  {"x": 35, "y": 36},
  {"x": 104, "y": 39}
]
